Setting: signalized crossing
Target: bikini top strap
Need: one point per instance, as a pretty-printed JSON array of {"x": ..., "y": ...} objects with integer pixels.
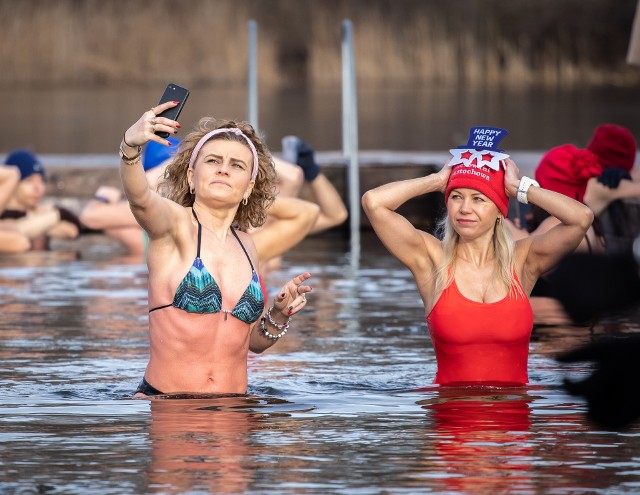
[
  {"x": 243, "y": 248},
  {"x": 199, "y": 230}
]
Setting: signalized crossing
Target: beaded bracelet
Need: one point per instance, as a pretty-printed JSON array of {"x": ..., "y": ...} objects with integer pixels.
[{"x": 283, "y": 327}]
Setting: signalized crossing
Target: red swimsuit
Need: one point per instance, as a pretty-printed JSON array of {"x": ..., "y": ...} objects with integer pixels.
[{"x": 481, "y": 342}]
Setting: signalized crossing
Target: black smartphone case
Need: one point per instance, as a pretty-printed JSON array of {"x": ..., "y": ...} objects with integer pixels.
[{"x": 172, "y": 92}]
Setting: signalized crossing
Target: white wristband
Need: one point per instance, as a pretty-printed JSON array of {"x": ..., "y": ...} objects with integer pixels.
[{"x": 523, "y": 188}]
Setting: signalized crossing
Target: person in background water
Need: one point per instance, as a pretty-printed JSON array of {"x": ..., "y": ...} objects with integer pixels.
[
  {"x": 601, "y": 177},
  {"x": 333, "y": 211},
  {"x": 291, "y": 218},
  {"x": 475, "y": 281},
  {"x": 207, "y": 309},
  {"x": 111, "y": 214},
  {"x": 11, "y": 240},
  {"x": 598, "y": 176},
  {"x": 30, "y": 223}
]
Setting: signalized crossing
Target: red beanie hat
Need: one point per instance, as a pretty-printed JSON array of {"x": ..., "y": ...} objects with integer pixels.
[
  {"x": 488, "y": 181},
  {"x": 566, "y": 169},
  {"x": 614, "y": 146},
  {"x": 479, "y": 166}
]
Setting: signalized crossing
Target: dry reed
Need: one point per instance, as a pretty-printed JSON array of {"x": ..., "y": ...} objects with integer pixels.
[{"x": 398, "y": 42}]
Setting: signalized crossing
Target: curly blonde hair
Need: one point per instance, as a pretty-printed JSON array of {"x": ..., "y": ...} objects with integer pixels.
[{"x": 175, "y": 186}]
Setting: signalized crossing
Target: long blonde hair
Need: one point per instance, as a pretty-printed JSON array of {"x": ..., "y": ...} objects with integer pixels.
[
  {"x": 175, "y": 186},
  {"x": 503, "y": 246}
]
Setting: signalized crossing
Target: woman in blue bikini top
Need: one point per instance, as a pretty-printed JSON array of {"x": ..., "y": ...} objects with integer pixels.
[
  {"x": 199, "y": 292},
  {"x": 221, "y": 177}
]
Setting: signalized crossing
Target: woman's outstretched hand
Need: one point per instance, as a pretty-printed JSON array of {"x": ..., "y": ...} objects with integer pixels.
[
  {"x": 292, "y": 297},
  {"x": 144, "y": 130}
]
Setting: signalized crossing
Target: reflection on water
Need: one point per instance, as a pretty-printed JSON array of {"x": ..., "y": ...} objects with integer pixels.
[
  {"x": 77, "y": 120},
  {"x": 478, "y": 435},
  {"x": 343, "y": 404}
]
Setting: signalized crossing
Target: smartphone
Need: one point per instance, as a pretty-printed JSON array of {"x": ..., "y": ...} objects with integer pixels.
[{"x": 172, "y": 92}]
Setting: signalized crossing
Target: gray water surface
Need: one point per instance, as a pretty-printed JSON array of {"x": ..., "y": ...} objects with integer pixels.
[
  {"x": 343, "y": 404},
  {"x": 71, "y": 121}
]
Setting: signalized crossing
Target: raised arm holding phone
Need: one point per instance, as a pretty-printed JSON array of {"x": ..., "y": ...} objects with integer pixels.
[{"x": 207, "y": 308}]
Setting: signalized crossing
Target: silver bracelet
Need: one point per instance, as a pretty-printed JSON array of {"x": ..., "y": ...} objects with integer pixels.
[
  {"x": 283, "y": 328},
  {"x": 523, "y": 189}
]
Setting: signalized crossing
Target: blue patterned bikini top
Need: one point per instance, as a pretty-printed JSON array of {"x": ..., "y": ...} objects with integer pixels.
[{"x": 199, "y": 292}]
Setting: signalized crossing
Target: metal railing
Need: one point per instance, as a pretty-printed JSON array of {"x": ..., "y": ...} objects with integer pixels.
[
  {"x": 349, "y": 121},
  {"x": 252, "y": 73},
  {"x": 350, "y": 137}
]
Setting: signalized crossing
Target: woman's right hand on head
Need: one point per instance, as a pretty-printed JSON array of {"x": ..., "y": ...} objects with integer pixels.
[
  {"x": 443, "y": 176},
  {"x": 144, "y": 130}
]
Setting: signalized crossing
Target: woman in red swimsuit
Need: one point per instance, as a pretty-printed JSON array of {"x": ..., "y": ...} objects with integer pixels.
[{"x": 475, "y": 280}]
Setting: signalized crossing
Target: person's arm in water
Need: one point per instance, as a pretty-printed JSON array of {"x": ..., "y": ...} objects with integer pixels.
[
  {"x": 290, "y": 177},
  {"x": 289, "y": 221},
  {"x": 37, "y": 223},
  {"x": 107, "y": 210},
  {"x": 599, "y": 195},
  {"x": 11, "y": 240},
  {"x": 63, "y": 230},
  {"x": 333, "y": 212},
  {"x": 417, "y": 250},
  {"x": 306, "y": 170},
  {"x": 543, "y": 251},
  {"x": 332, "y": 209},
  {"x": 9, "y": 178}
]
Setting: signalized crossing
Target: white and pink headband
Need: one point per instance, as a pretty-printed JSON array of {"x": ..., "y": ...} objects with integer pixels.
[{"x": 226, "y": 130}]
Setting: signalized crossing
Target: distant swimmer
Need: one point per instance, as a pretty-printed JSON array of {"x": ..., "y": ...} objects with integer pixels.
[
  {"x": 603, "y": 176},
  {"x": 26, "y": 221}
]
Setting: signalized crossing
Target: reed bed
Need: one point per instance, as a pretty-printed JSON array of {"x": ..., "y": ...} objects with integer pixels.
[{"x": 397, "y": 42}]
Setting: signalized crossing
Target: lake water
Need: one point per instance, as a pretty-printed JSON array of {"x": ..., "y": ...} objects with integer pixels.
[
  {"x": 342, "y": 404},
  {"x": 92, "y": 120}
]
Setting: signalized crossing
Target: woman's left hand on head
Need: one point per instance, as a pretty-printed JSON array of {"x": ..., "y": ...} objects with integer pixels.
[
  {"x": 293, "y": 296},
  {"x": 511, "y": 178}
]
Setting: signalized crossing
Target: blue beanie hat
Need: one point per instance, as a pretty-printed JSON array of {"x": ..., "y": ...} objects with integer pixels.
[
  {"x": 26, "y": 162},
  {"x": 155, "y": 153}
]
